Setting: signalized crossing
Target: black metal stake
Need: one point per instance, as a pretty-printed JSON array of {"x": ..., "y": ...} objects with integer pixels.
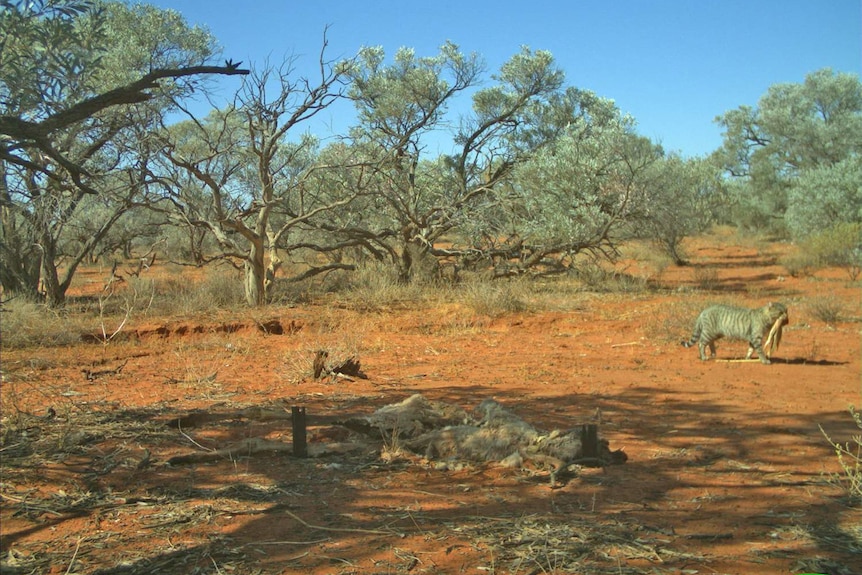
[
  {"x": 590, "y": 440},
  {"x": 300, "y": 444}
]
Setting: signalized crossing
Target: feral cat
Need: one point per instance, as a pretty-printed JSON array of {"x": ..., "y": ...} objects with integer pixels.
[{"x": 740, "y": 323}]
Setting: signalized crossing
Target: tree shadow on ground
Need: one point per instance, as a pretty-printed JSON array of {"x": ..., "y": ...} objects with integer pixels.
[{"x": 277, "y": 512}]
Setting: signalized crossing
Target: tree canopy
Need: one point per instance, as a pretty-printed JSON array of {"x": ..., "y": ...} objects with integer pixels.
[
  {"x": 790, "y": 150},
  {"x": 82, "y": 82},
  {"x": 99, "y": 150}
]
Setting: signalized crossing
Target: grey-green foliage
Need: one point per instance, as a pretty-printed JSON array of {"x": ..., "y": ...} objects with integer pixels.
[
  {"x": 57, "y": 53},
  {"x": 683, "y": 197},
  {"x": 410, "y": 201},
  {"x": 824, "y": 196},
  {"x": 67, "y": 129},
  {"x": 795, "y": 129},
  {"x": 578, "y": 193},
  {"x": 132, "y": 235},
  {"x": 47, "y": 52}
]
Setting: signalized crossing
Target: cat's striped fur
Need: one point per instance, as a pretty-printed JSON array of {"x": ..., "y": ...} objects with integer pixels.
[{"x": 752, "y": 325}]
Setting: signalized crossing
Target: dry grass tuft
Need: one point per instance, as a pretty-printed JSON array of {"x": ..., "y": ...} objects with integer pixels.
[
  {"x": 600, "y": 278},
  {"x": 673, "y": 321},
  {"x": 495, "y": 298},
  {"x": 220, "y": 288},
  {"x": 24, "y": 324},
  {"x": 827, "y": 308},
  {"x": 376, "y": 287},
  {"x": 706, "y": 278},
  {"x": 538, "y": 544},
  {"x": 849, "y": 455}
]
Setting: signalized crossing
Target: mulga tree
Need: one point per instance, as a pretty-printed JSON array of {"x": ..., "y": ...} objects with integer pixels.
[
  {"x": 246, "y": 174},
  {"x": 81, "y": 83},
  {"x": 798, "y": 135},
  {"x": 684, "y": 198},
  {"x": 576, "y": 195},
  {"x": 415, "y": 198}
]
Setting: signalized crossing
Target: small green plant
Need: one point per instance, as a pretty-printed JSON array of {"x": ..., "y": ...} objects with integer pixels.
[{"x": 849, "y": 456}]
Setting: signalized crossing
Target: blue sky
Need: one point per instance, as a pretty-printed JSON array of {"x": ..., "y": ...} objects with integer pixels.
[{"x": 672, "y": 64}]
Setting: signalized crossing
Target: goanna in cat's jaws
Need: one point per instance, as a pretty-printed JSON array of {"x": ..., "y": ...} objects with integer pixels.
[{"x": 752, "y": 325}]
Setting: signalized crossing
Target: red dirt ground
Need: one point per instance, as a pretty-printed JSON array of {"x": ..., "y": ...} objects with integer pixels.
[{"x": 727, "y": 468}]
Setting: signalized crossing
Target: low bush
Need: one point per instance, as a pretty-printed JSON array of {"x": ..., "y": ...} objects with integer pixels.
[
  {"x": 827, "y": 309},
  {"x": 599, "y": 278},
  {"x": 799, "y": 264},
  {"x": 839, "y": 246},
  {"x": 495, "y": 298},
  {"x": 24, "y": 323},
  {"x": 706, "y": 278},
  {"x": 849, "y": 456}
]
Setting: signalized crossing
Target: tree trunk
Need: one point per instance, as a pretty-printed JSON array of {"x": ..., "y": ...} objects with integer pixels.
[
  {"x": 55, "y": 292},
  {"x": 275, "y": 263},
  {"x": 255, "y": 275},
  {"x": 417, "y": 264},
  {"x": 19, "y": 257},
  {"x": 405, "y": 264}
]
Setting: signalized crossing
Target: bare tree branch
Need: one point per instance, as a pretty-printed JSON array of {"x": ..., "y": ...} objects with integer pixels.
[{"x": 133, "y": 93}]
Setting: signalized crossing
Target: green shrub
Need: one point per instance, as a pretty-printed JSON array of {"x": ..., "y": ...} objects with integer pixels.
[
  {"x": 839, "y": 246},
  {"x": 800, "y": 264}
]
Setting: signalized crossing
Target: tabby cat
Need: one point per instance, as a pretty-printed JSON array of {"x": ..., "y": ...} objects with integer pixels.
[{"x": 740, "y": 323}]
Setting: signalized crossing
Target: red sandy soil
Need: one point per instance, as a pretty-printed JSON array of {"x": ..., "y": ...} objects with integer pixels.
[{"x": 727, "y": 472}]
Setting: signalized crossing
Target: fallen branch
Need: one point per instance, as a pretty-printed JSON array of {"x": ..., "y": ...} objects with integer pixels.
[
  {"x": 337, "y": 529},
  {"x": 206, "y": 379},
  {"x": 96, "y": 374},
  {"x": 245, "y": 447},
  {"x": 709, "y": 536}
]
